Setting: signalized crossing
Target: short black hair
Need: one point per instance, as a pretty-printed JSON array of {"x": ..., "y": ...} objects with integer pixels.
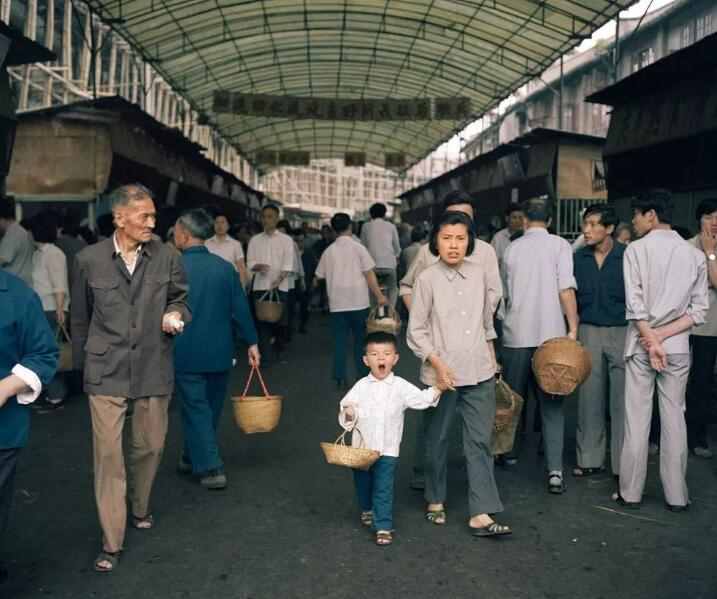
[
  {"x": 377, "y": 210},
  {"x": 418, "y": 234},
  {"x": 706, "y": 206},
  {"x": 198, "y": 223},
  {"x": 510, "y": 208},
  {"x": 340, "y": 222},
  {"x": 452, "y": 217},
  {"x": 284, "y": 224},
  {"x": 659, "y": 200},
  {"x": 44, "y": 227},
  {"x": 607, "y": 214},
  {"x": 380, "y": 337},
  {"x": 7, "y": 208},
  {"x": 455, "y": 198},
  {"x": 217, "y": 213},
  {"x": 537, "y": 209},
  {"x": 273, "y": 207}
]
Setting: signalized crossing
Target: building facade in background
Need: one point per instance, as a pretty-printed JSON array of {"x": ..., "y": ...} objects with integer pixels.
[
  {"x": 661, "y": 32},
  {"x": 93, "y": 62}
]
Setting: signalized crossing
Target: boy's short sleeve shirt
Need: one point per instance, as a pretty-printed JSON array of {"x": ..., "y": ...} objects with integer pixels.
[{"x": 344, "y": 265}]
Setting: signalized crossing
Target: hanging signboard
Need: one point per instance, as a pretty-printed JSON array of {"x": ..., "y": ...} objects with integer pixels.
[
  {"x": 355, "y": 159},
  {"x": 395, "y": 160},
  {"x": 372, "y": 109}
]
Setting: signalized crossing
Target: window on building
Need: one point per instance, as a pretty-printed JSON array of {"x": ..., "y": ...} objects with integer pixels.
[
  {"x": 703, "y": 26},
  {"x": 642, "y": 58},
  {"x": 568, "y": 123},
  {"x": 686, "y": 35}
]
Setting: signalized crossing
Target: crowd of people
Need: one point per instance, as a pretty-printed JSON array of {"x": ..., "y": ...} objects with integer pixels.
[{"x": 148, "y": 317}]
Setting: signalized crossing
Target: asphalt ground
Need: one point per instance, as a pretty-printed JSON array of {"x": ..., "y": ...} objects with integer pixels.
[{"x": 287, "y": 526}]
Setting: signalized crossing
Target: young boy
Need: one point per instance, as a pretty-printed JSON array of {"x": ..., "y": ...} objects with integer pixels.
[{"x": 375, "y": 406}]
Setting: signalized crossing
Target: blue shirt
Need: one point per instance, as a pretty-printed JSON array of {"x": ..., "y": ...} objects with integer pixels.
[
  {"x": 601, "y": 291},
  {"x": 25, "y": 339},
  {"x": 220, "y": 312}
]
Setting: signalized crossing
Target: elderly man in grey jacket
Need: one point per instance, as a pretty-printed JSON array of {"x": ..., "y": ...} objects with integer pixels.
[{"x": 129, "y": 300}]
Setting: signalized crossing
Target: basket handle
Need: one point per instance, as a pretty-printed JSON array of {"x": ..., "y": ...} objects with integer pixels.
[
  {"x": 269, "y": 294},
  {"x": 512, "y": 393},
  {"x": 342, "y": 437},
  {"x": 62, "y": 329},
  {"x": 261, "y": 381}
]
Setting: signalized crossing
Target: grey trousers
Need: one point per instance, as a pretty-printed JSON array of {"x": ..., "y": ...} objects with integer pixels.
[
  {"x": 517, "y": 372},
  {"x": 476, "y": 406},
  {"x": 640, "y": 380},
  {"x": 606, "y": 381}
]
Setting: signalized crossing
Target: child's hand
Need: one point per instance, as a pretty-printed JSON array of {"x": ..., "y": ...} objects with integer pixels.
[{"x": 349, "y": 414}]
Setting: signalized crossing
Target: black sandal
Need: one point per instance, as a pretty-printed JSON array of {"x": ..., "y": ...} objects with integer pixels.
[
  {"x": 105, "y": 556},
  {"x": 492, "y": 530}
]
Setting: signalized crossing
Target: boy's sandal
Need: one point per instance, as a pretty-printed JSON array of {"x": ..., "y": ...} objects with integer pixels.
[
  {"x": 106, "y": 561},
  {"x": 142, "y": 523},
  {"x": 384, "y": 537},
  {"x": 492, "y": 530},
  {"x": 437, "y": 517},
  {"x": 367, "y": 518},
  {"x": 579, "y": 472}
]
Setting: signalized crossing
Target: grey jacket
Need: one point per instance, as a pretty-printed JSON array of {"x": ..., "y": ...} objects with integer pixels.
[{"x": 116, "y": 319}]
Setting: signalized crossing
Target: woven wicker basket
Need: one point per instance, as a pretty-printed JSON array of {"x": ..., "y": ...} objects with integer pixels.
[
  {"x": 391, "y": 324},
  {"x": 509, "y": 405},
  {"x": 340, "y": 454},
  {"x": 268, "y": 307},
  {"x": 256, "y": 413},
  {"x": 505, "y": 404},
  {"x": 560, "y": 365}
]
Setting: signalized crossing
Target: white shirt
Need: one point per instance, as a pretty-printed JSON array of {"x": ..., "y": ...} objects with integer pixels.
[
  {"x": 276, "y": 250},
  {"x": 381, "y": 239},
  {"x": 49, "y": 276},
  {"x": 379, "y": 406},
  {"x": 297, "y": 271},
  {"x": 344, "y": 265},
  {"x": 129, "y": 261},
  {"x": 537, "y": 267},
  {"x": 500, "y": 242},
  {"x": 665, "y": 278},
  {"x": 228, "y": 248}
]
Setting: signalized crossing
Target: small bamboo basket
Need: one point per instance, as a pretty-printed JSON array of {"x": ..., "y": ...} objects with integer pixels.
[
  {"x": 340, "y": 454},
  {"x": 390, "y": 324},
  {"x": 561, "y": 365},
  {"x": 256, "y": 413},
  {"x": 268, "y": 307}
]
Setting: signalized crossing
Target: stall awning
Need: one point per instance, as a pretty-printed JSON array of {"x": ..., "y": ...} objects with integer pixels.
[{"x": 351, "y": 49}]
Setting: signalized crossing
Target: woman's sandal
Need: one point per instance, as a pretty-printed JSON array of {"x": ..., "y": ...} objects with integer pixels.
[
  {"x": 367, "y": 518},
  {"x": 579, "y": 472},
  {"x": 384, "y": 537},
  {"x": 105, "y": 557},
  {"x": 437, "y": 517},
  {"x": 492, "y": 530},
  {"x": 142, "y": 523}
]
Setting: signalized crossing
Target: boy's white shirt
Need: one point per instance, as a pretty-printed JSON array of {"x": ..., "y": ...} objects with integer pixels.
[{"x": 379, "y": 407}]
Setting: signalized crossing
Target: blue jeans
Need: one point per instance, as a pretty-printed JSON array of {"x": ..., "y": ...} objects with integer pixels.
[
  {"x": 374, "y": 489},
  {"x": 202, "y": 397},
  {"x": 341, "y": 324}
]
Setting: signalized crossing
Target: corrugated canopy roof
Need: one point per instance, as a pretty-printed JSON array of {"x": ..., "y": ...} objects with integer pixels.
[{"x": 348, "y": 49}]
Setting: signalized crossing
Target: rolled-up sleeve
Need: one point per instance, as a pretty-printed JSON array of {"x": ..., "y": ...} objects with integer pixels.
[
  {"x": 350, "y": 400},
  {"x": 635, "y": 308},
  {"x": 419, "y": 336},
  {"x": 566, "y": 274},
  {"x": 699, "y": 298}
]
